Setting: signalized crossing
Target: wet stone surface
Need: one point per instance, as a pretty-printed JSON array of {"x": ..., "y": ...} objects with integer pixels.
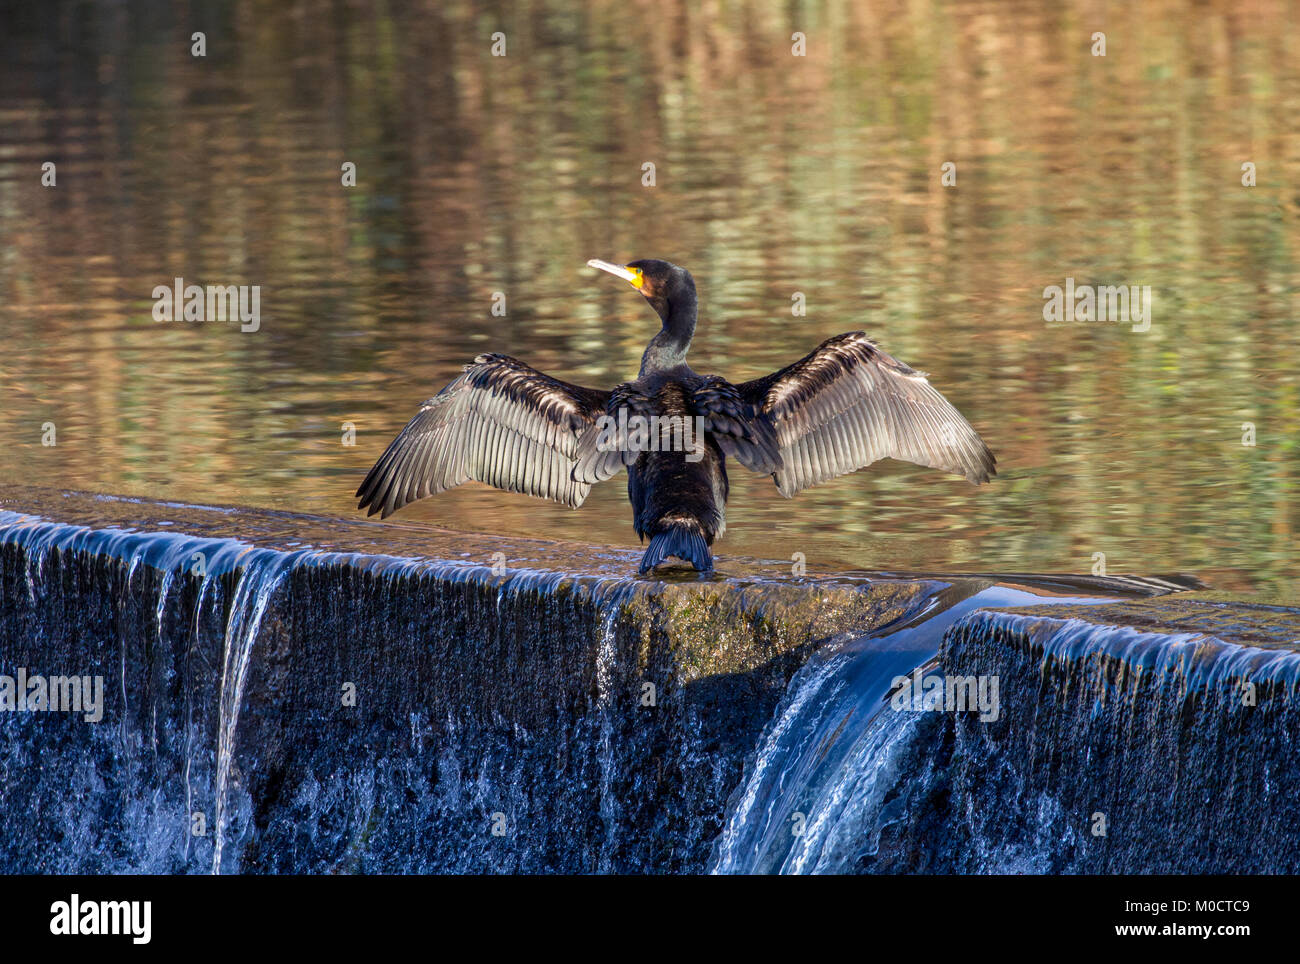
[{"x": 289, "y": 693}]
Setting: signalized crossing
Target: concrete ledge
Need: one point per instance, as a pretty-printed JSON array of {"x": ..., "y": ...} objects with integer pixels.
[{"x": 477, "y": 694}]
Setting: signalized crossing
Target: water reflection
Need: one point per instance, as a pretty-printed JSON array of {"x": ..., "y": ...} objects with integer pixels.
[{"x": 775, "y": 175}]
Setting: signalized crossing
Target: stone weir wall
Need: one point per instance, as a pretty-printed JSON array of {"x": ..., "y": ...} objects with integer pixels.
[
  {"x": 1151, "y": 736},
  {"x": 278, "y": 696},
  {"x": 273, "y": 693}
]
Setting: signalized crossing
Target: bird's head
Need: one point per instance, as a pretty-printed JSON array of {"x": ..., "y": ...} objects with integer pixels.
[{"x": 667, "y": 287}]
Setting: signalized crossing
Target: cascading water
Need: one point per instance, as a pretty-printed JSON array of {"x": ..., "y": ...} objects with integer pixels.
[
  {"x": 167, "y": 558},
  {"x": 260, "y": 576},
  {"x": 289, "y": 695},
  {"x": 1108, "y": 749},
  {"x": 607, "y": 656},
  {"x": 499, "y": 722},
  {"x": 838, "y": 763}
]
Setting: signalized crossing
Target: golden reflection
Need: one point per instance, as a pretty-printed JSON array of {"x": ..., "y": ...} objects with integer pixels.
[{"x": 776, "y": 174}]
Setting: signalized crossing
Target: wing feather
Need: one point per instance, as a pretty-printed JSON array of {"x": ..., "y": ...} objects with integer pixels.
[
  {"x": 848, "y": 404},
  {"x": 502, "y": 423}
]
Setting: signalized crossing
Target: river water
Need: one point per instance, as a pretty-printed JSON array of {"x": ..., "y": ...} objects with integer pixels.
[{"x": 775, "y": 176}]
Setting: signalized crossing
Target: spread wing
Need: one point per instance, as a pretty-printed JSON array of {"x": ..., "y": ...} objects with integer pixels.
[
  {"x": 848, "y": 404},
  {"x": 502, "y": 423}
]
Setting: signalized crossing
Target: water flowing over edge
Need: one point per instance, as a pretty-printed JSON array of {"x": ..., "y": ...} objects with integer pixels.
[
  {"x": 829, "y": 757},
  {"x": 839, "y": 765}
]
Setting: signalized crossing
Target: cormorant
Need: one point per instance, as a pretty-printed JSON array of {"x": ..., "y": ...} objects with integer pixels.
[{"x": 838, "y": 409}]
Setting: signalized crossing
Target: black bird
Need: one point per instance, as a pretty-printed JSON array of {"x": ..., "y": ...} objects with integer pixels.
[{"x": 838, "y": 409}]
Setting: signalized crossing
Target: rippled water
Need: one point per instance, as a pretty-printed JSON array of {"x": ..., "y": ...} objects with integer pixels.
[{"x": 774, "y": 175}]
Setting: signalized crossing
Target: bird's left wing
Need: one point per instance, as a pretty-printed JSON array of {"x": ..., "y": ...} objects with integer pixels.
[
  {"x": 502, "y": 423},
  {"x": 848, "y": 404}
]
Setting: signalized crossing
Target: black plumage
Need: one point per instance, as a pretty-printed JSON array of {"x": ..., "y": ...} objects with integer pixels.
[{"x": 840, "y": 408}]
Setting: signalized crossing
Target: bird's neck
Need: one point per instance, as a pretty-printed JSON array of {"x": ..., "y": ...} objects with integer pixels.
[{"x": 668, "y": 348}]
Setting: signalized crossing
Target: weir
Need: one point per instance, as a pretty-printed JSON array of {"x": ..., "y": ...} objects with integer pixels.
[
  {"x": 1142, "y": 736},
  {"x": 294, "y": 694}
]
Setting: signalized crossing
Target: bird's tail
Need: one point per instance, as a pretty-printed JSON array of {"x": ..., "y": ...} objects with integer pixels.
[{"x": 685, "y": 540}]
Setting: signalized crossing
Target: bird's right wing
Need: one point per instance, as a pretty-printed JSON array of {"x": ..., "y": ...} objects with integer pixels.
[
  {"x": 502, "y": 423},
  {"x": 847, "y": 404}
]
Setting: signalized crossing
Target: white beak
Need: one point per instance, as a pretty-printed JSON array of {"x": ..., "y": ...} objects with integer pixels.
[{"x": 615, "y": 269}]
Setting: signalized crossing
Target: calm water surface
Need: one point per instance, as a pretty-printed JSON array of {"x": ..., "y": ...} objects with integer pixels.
[{"x": 775, "y": 175}]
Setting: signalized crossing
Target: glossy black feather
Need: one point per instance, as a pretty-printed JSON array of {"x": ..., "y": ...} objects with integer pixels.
[{"x": 502, "y": 423}]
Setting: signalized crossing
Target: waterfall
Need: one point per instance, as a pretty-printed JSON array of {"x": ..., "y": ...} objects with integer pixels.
[
  {"x": 260, "y": 576},
  {"x": 838, "y": 764},
  {"x": 284, "y": 696}
]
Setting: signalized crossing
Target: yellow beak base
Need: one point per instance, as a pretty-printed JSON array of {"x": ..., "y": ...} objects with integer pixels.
[{"x": 632, "y": 276}]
